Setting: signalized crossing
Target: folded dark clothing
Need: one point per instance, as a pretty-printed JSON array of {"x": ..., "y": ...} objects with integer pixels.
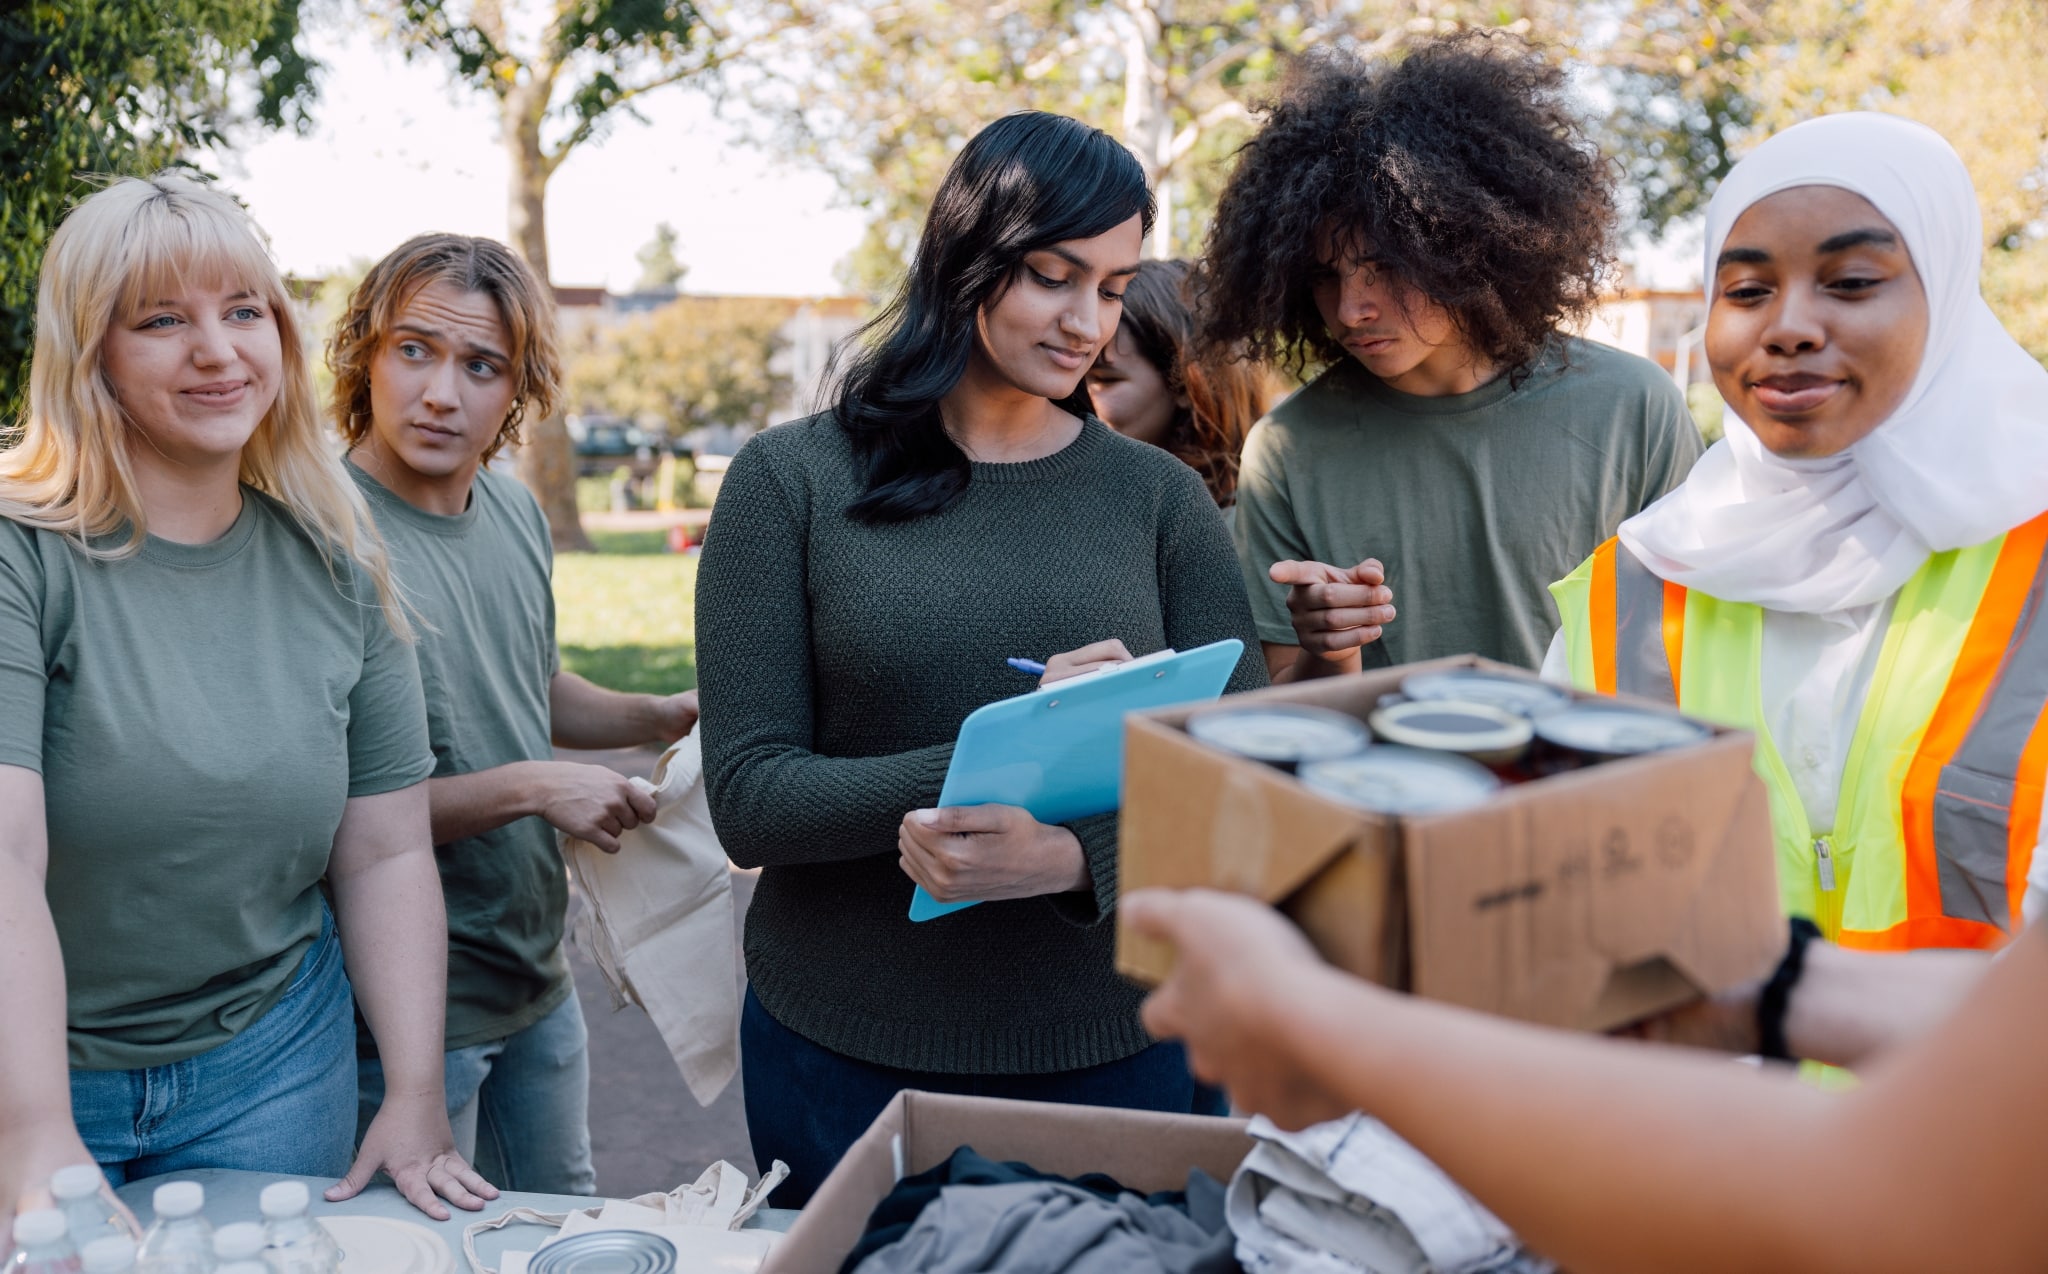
[{"x": 891, "y": 1221}]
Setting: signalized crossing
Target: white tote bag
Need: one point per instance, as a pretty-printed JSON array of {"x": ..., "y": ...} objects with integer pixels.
[{"x": 659, "y": 922}]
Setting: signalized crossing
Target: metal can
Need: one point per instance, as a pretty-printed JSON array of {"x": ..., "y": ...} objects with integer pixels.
[
  {"x": 1391, "y": 779},
  {"x": 1284, "y": 736},
  {"x": 1494, "y": 737},
  {"x": 1518, "y": 693},
  {"x": 606, "y": 1252},
  {"x": 1591, "y": 733}
]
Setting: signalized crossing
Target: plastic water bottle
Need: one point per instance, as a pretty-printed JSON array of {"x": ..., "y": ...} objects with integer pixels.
[
  {"x": 44, "y": 1246},
  {"x": 181, "y": 1241},
  {"x": 114, "y": 1254},
  {"x": 88, "y": 1205},
  {"x": 297, "y": 1243},
  {"x": 239, "y": 1249}
]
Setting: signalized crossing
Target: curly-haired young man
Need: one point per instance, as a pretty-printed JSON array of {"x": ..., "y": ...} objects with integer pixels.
[
  {"x": 1423, "y": 231},
  {"x": 446, "y": 345}
]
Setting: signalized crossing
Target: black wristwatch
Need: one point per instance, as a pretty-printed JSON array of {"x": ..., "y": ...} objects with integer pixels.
[{"x": 1776, "y": 996}]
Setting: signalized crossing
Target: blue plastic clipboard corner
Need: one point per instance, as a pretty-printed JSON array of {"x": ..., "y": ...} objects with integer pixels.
[{"x": 1058, "y": 752}]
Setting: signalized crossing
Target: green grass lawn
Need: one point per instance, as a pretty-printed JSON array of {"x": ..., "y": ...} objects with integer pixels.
[{"x": 624, "y": 615}]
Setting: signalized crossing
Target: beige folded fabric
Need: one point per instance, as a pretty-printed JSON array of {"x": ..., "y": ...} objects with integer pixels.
[{"x": 659, "y": 923}]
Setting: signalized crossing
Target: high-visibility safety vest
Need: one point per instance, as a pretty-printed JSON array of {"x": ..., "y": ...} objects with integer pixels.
[{"x": 1940, "y": 804}]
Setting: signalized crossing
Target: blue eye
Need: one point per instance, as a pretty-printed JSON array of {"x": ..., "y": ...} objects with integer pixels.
[
  {"x": 159, "y": 322},
  {"x": 246, "y": 314},
  {"x": 482, "y": 369}
]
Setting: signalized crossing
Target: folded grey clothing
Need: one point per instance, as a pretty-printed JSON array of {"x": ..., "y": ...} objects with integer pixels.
[
  {"x": 1049, "y": 1227},
  {"x": 1350, "y": 1197}
]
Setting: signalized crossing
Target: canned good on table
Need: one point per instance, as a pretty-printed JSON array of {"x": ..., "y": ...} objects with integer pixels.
[
  {"x": 1492, "y": 736},
  {"x": 1392, "y": 779},
  {"x": 1285, "y": 736},
  {"x": 606, "y": 1252},
  {"x": 1590, "y": 733},
  {"x": 1523, "y": 695}
]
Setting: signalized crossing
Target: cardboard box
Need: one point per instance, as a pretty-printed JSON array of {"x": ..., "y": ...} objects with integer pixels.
[
  {"x": 1144, "y": 1150},
  {"x": 1583, "y": 900}
]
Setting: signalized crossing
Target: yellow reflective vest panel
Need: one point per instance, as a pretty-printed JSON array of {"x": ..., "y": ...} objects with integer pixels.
[{"x": 1940, "y": 804}]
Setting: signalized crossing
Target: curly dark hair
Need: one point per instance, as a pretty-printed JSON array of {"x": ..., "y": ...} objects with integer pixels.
[{"x": 1461, "y": 169}]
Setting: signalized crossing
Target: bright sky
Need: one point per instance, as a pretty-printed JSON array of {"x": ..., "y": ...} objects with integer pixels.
[{"x": 398, "y": 150}]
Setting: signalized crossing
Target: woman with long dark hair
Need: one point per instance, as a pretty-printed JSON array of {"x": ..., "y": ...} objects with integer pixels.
[
  {"x": 1144, "y": 385},
  {"x": 866, "y": 574}
]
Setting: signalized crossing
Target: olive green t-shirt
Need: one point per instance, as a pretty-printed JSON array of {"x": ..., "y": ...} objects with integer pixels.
[
  {"x": 200, "y": 713},
  {"x": 1474, "y": 502},
  {"x": 480, "y": 581}
]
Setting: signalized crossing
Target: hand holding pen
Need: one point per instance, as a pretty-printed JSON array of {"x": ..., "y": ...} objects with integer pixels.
[{"x": 1072, "y": 663}]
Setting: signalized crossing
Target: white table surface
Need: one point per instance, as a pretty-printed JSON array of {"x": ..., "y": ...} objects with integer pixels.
[{"x": 232, "y": 1196}]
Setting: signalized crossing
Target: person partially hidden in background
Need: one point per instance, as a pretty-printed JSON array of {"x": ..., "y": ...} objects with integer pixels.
[{"x": 1144, "y": 385}]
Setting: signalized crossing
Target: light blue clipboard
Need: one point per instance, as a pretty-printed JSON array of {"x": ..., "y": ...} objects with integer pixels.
[{"x": 1059, "y": 752}]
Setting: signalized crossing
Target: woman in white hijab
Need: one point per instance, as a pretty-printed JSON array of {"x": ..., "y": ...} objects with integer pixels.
[
  {"x": 1855, "y": 571},
  {"x": 1891, "y": 460}
]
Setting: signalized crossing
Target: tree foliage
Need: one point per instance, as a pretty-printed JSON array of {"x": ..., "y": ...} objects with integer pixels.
[
  {"x": 882, "y": 96},
  {"x": 699, "y": 360},
  {"x": 91, "y": 88}
]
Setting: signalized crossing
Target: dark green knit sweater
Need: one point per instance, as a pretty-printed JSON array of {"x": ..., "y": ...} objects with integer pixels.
[{"x": 837, "y": 661}]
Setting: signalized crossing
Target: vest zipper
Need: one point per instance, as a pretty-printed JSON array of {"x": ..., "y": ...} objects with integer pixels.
[{"x": 1824, "y": 858}]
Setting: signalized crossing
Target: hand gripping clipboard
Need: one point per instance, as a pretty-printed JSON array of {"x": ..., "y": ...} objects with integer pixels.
[{"x": 1058, "y": 752}]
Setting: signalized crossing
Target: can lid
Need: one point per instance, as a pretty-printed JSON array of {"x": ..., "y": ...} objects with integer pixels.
[
  {"x": 38, "y": 1226},
  {"x": 1451, "y": 725},
  {"x": 238, "y": 1242},
  {"x": 113, "y": 1254},
  {"x": 1392, "y": 779},
  {"x": 284, "y": 1199},
  {"x": 606, "y": 1252},
  {"x": 76, "y": 1181},
  {"x": 1288, "y": 732},
  {"x": 1616, "y": 729},
  {"x": 178, "y": 1199},
  {"x": 1522, "y": 695}
]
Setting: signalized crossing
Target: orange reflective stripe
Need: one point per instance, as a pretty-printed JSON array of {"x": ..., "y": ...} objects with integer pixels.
[
  {"x": 1674, "y": 633},
  {"x": 1602, "y": 622},
  {"x": 1977, "y": 666},
  {"x": 2023, "y": 832},
  {"x": 1925, "y": 931}
]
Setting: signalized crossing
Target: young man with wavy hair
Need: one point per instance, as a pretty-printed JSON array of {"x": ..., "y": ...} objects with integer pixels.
[
  {"x": 447, "y": 345},
  {"x": 1423, "y": 232}
]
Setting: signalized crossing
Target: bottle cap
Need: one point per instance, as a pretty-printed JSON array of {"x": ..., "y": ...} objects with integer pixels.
[
  {"x": 284, "y": 1199},
  {"x": 40, "y": 1226},
  {"x": 114, "y": 1254},
  {"x": 238, "y": 1242},
  {"x": 79, "y": 1181},
  {"x": 178, "y": 1199}
]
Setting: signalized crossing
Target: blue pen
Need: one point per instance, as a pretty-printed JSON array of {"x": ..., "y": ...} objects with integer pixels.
[{"x": 1031, "y": 666}]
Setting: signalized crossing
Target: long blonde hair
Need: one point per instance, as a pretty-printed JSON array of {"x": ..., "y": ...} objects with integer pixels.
[{"x": 69, "y": 471}]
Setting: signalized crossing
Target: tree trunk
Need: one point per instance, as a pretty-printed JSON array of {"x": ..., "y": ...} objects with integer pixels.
[
  {"x": 1148, "y": 120},
  {"x": 547, "y": 463}
]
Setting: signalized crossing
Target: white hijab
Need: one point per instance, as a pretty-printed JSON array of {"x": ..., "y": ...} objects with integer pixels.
[{"x": 1963, "y": 459}]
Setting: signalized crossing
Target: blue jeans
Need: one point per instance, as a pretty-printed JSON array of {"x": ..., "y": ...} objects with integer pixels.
[
  {"x": 520, "y": 1106},
  {"x": 806, "y": 1104},
  {"x": 279, "y": 1097}
]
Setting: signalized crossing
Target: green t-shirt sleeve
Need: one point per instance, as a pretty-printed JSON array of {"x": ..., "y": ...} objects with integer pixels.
[
  {"x": 23, "y": 681},
  {"x": 1673, "y": 441},
  {"x": 1266, "y": 531},
  {"x": 387, "y": 710}
]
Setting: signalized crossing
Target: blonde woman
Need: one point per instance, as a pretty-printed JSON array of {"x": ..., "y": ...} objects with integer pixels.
[{"x": 207, "y": 704}]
